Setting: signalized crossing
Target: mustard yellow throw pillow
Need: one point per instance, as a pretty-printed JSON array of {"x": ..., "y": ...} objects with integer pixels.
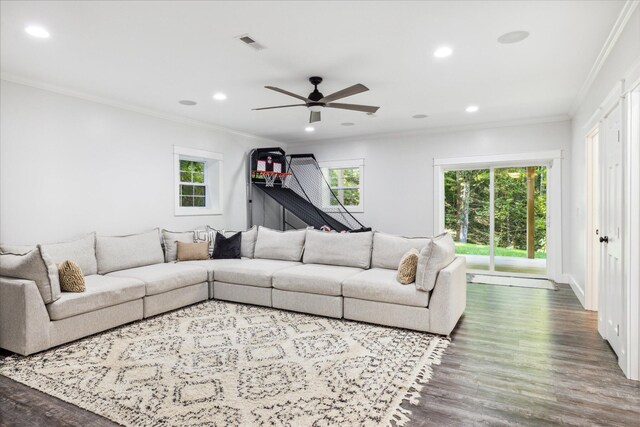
[
  {"x": 71, "y": 277},
  {"x": 408, "y": 266}
]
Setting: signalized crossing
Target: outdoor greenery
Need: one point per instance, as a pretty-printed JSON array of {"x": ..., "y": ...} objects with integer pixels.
[
  {"x": 473, "y": 249},
  {"x": 192, "y": 185},
  {"x": 345, "y": 183},
  {"x": 467, "y": 209}
]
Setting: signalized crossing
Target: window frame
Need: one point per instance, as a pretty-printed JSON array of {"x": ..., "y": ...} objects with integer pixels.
[
  {"x": 213, "y": 166},
  {"x": 325, "y": 166}
]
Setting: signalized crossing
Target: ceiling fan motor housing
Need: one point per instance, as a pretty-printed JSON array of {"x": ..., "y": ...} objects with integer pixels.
[{"x": 315, "y": 95}]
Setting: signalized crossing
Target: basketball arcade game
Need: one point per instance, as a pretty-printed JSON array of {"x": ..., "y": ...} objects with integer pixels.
[{"x": 297, "y": 183}]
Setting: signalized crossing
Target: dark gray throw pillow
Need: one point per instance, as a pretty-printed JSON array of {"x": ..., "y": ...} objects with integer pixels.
[{"x": 227, "y": 247}]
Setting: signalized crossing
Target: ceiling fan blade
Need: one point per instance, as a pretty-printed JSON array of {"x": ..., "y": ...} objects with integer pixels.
[
  {"x": 280, "y": 106},
  {"x": 354, "y": 107},
  {"x": 277, "y": 89},
  {"x": 352, "y": 90},
  {"x": 314, "y": 117}
]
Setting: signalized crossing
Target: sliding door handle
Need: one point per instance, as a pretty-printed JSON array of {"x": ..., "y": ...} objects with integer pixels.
[{"x": 604, "y": 239}]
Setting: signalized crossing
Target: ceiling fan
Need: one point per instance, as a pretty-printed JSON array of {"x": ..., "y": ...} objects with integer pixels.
[{"x": 316, "y": 101}]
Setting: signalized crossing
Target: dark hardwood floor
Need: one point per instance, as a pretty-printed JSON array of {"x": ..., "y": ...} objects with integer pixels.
[{"x": 518, "y": 357}]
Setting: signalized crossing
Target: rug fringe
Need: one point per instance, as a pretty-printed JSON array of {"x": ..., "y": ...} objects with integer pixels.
[{"x": 436, "y": 350}]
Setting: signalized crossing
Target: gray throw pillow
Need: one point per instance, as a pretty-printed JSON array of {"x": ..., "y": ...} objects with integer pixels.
[
  {"x": 170, "y": 240},
  {"x": 438, "y": 254},
  {"x": 34, "y": 265}
]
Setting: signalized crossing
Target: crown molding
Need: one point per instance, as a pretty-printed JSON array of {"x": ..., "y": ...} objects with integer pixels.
[
  {"x": 443, "y": 129},
  {"x": 126, "y": 106},
  {"x": 625, "y": 14}
]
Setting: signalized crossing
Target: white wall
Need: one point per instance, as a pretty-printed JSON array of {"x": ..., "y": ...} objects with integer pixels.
[
  {"x": 398, "y": 185},
  {"x": 70, "y": 166},
  {"x": 624, "y": 55}
]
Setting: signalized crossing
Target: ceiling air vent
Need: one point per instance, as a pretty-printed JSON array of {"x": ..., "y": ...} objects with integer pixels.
[{"x": 249, "y": 41}]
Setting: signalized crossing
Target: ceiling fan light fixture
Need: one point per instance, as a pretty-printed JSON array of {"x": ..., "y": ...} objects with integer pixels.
[
  {"x": 309, "y": 129},
  {"x": 315, "y": 108}
]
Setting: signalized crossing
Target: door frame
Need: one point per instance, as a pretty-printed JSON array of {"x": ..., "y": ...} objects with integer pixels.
[
  {"x": 551, "y": 159},
  {"x": 592, "y": 279},
  {"x": 628, "y": 96}
]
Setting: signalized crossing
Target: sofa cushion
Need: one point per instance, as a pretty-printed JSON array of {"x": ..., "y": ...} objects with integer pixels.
[
  {"x": 101, "y": 292},
  {"x": 314, "y": 278},
  {"x": 433, "y": 258},
  {"x": 170, "y": 240},
  {"x": 211, "y": 265},
  {"x": 122, "y": 252},
  {"x": 252, "y": 272},
  {"x": 33, "y": 265},
  {"x": 281, "y": 245},
  {"x": 346, "y": 249},
  {"x": 248, "y": 243},
  {"x": 389, "y": 249},
  {"x": 160, "y": 278},
  {"x": 81, "y": 251},
  {"x": 380, "y": 284}
]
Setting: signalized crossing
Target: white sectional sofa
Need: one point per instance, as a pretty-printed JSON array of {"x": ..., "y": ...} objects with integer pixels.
[{"x": 351, "y": 276}]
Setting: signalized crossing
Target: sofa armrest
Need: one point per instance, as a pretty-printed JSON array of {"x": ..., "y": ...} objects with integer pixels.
[
  {"x": 449, "y": 297},
  {"x": 24, "y": 320}
]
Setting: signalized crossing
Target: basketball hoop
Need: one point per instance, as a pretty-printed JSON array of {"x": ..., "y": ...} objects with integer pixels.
[
  {"x": 269, "y": 178},
  {"x": 285, "y": 179}
]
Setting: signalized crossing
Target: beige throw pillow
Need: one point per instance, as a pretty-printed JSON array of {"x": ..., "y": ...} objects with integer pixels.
[
  {"x": 71, "y": 277},
  {"x": 192, "y": 251},
  {"x": 408, "y": 266}
]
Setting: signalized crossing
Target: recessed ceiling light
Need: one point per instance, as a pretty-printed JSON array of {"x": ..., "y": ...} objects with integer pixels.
[
  {"x": 513, "y": 37},
  {"x": 347, "y": 124},
  {"x": 419, "y": 116},
  {"x": 471, "y": 109},
  {"x": 220, "y": 96},
  {"x": 36, "y": 31},
  {"x": 309, "y": 129},
  {"x": 187, "y": 102},
  {"x": 443, "y": 52}
]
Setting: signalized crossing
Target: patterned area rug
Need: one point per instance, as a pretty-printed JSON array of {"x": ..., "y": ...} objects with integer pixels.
[{"x": 219, "y": 363}]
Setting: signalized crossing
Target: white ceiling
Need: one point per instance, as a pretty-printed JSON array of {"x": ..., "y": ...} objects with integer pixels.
[{"x": 151, "y": 54}]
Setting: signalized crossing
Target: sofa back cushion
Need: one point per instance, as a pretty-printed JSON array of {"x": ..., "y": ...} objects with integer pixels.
[
  {"x": 248, "y": 241},
  {"x": 170, "y": 240},
  {"x": 121, "y": 252},
  {"x": 282, "y": 245},
  {"x": 389, "y": 249},
  {"x": 346, "y": 249},
  {"x": 438, "y": 254},
  {"x": 82, "y": 252},
  {"x": 33, "y": 265}
]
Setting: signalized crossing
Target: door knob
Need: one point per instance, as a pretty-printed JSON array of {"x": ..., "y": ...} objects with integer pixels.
[{"x": 604, "y": 239}]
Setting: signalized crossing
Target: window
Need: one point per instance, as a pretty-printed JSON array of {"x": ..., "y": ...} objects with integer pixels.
[
  {"x": 193, "y": 189},
  {"x": 345, "y": 177},
  {"x": 198, "y": 186}
]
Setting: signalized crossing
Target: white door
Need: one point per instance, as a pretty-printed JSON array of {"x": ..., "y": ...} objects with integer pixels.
[{"x": 611, "y": 283}]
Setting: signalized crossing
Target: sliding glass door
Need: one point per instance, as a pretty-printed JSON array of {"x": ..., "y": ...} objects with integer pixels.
[{"x": 498, "y": 218}]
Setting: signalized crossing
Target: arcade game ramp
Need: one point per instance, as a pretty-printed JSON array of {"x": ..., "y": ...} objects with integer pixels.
[{"x": 297, "y": 183}]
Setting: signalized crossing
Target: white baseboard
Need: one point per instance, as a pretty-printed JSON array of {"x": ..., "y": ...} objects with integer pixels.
[{"x": 574, "y": 287}]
